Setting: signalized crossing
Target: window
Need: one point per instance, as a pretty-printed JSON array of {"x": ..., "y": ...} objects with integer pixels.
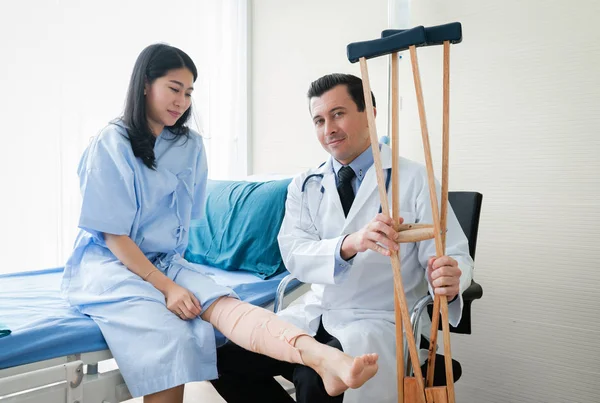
[{"x": 64, "y": 75}]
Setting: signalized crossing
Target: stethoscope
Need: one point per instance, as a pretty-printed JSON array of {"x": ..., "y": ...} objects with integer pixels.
[{"x": 318, "y": 178}]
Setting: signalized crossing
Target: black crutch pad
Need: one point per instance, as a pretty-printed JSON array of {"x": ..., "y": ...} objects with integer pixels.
[
  {"x": 384, "y": 46},
  {"x": 436, "y": 35}
]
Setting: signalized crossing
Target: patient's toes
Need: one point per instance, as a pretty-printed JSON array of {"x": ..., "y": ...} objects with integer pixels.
[
  {"x": 363, "y": 368},
  {"x": 372, "y": 358}
]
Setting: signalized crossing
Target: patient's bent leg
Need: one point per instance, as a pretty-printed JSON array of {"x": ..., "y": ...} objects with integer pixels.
[{"x": 261, "y": 331}]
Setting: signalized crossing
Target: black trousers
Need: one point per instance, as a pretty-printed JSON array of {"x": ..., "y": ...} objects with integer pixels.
[{"x": 247, "y": 377}]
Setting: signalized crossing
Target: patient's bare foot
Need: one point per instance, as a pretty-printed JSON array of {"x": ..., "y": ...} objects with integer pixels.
[
  {"x": 338, "y": 370},
  {"x": 343, "y": 372},
  {"x": 363, "y": 368}
]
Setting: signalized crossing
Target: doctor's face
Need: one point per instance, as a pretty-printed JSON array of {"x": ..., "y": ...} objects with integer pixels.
[
  {"x": 342, "y": 130},
  {"x": 168, "y": 97}
]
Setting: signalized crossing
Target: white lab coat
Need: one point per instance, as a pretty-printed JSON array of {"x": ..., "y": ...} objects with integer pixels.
[{"x": 357, "y": 305}]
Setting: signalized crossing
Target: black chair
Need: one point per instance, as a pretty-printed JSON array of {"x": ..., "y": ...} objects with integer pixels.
[{"x": 467, "y": 208}]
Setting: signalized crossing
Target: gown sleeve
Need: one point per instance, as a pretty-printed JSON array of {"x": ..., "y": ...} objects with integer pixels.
[{"x": 106, "y": 178}]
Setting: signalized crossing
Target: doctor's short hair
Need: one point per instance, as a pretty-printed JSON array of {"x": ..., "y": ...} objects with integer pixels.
[
  {"x": 353, "y": 85},
  {"x": 154, "y": 61}
]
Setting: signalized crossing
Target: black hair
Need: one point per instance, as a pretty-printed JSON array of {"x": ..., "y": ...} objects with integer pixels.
[
  {"x": 154, "y": 62},
  {"x": 353, "y": 85}
]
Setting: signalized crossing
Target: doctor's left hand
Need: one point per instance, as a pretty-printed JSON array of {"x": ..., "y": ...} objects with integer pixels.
[{"x": 444, "y": 276}]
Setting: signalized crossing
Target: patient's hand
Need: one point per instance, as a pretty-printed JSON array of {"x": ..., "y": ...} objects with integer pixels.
[{"x": 182, "y": 302}]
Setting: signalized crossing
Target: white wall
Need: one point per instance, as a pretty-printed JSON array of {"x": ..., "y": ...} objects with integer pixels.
[
  {"x": 525, "y": 125},
  {"x": 524, "y": 131},
  {"x": 294, "y": 43}
]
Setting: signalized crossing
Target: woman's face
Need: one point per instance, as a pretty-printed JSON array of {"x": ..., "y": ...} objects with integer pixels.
[{"x": 167, "y": 98}]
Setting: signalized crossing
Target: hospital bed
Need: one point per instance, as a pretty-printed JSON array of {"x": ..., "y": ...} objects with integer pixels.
[{"x": 56, "y": 354}]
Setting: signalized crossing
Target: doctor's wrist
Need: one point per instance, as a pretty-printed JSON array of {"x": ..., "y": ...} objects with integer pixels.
[{"x": 347, "y": 250}]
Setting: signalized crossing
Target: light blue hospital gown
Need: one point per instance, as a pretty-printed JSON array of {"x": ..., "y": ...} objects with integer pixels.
[{"x": 155, "y": 350}]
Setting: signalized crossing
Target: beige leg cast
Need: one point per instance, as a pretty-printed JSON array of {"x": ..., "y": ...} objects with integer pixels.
[{"x": 255, "y": 329}]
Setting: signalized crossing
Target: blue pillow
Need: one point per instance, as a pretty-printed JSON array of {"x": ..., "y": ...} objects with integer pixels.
[{"x": 240, "y": 226}]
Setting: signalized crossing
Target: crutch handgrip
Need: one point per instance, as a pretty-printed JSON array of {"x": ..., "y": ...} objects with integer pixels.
[
  {"x": 435, "y": 35},
  {"x": 415, "y": 235},
  {"x": 387, "y": 45}
]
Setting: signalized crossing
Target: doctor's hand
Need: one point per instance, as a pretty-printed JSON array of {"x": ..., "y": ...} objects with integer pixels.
[
  {"x": 182, "y": 302},
  {"x": 444, "y": 276},
  {"x": 378, "y": 235}
]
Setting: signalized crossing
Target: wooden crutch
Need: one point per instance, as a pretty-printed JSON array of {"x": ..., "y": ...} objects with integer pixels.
[
  {"x": 396, "y": 214},
  {"x": 410, "y": 389},
  {"x": 442, "y": 34}
]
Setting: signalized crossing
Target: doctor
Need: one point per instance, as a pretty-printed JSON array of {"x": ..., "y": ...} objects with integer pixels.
[{"x": 333, "y": 237}]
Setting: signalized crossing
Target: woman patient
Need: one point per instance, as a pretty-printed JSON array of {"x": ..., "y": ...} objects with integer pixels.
[{"x": 142, "y": 179}]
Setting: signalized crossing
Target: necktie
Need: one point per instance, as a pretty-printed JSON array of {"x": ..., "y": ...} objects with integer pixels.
[{"x": 344, "y": 188}]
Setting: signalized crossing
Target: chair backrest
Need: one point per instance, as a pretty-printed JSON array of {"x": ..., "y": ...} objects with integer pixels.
[{"x": 467, "y": 208}]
